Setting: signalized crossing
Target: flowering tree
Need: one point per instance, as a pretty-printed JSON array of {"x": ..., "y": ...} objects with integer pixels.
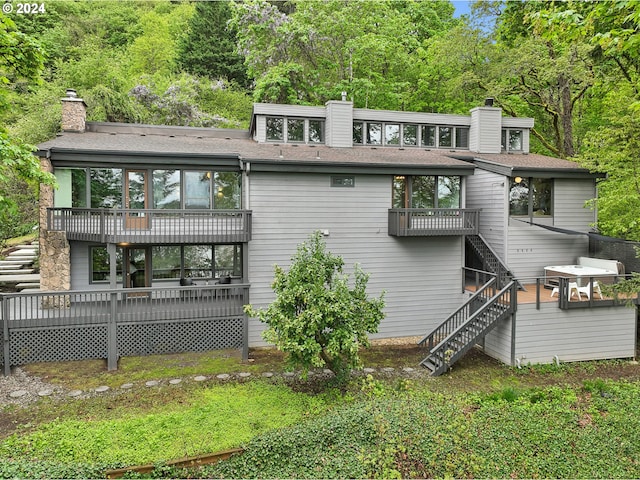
[{"x": 317, "y": 318}]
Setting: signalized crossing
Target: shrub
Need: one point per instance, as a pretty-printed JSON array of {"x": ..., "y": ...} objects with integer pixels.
[{"x": 316, "y": 318}]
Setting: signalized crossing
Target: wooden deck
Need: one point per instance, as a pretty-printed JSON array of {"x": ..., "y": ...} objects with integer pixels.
[{"x": 529, "y": 295}]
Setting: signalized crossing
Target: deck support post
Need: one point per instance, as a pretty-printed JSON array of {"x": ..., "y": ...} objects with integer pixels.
[
  {"x": 513, "y": 339},
  {"x": 112, "y": 334},
  {"x": 245, "y": 327},
  {"x": 5, "y": 337}
]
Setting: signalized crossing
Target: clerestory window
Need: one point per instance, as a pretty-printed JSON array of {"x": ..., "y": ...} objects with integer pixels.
[
  {"x": 294, "y": 130},
  {"x": 511, "y": 140},
  {"x": 410, "y": 135}
]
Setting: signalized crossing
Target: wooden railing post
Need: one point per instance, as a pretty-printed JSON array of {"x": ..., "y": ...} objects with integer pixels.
[
  {"x": 112, "y": 333},
  {"x": 6, "y": 346},
  {"x": 245, "y": 325},
  {"x": 103, "y": 233}
]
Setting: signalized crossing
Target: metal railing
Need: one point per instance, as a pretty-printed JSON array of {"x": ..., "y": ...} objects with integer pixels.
[
  {"x": 77, "y": 325},
  {"x": 151, "y": 226},
  {"x": 491, "y": 261},
  {"x": 421, "y": 222},
  {"x": 499, "y": 307},
  {"x": 460, "y": 316}
]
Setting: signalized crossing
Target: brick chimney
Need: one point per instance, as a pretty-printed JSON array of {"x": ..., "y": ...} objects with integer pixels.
[{"x": 74, "y": 112}]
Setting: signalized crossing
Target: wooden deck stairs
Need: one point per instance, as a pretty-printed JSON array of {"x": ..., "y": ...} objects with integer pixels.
[
  {"x": 491, "y": 262},
  {"x": 468, "y": 325}
]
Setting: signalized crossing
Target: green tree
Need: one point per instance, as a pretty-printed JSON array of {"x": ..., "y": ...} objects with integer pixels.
[
  {"x": 319, "y": 49},
  {"x": 317, "y": 318},
  {"x": 21, "y": 62},
  {"x": 209, "y": 48}
]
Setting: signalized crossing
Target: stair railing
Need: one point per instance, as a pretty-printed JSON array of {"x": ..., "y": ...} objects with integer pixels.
[
  {"x": 491, "y": 260},
  {"x": 460, "y": 316},
  {"x": 466, "y": 335}
]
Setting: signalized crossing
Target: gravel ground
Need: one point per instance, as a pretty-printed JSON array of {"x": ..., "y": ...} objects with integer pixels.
[{"x": 22, "y": 389}]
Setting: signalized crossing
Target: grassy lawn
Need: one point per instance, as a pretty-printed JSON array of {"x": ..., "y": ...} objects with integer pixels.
[{"x": 482, "y": 419}]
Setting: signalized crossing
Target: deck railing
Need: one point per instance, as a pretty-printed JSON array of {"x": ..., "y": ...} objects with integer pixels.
[
  {"x": 461, "y": 315},
  {"x": 591, "y": 291},
  {"x": 425, "y": 222},
  {"x": 151, "y": 226},
  {"x": 77, "y": 325}
]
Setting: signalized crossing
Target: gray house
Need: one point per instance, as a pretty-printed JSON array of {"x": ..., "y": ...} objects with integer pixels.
[{"x": 449, "y": 214}]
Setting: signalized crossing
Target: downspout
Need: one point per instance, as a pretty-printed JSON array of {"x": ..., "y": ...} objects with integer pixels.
[{"x": 245, "y": 168}]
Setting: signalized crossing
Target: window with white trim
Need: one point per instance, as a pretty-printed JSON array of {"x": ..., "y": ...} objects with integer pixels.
[
  {"x": 294, "y": 130},
  {"x": 511, "y": 140},
  {"x": 410, "y": 135}
]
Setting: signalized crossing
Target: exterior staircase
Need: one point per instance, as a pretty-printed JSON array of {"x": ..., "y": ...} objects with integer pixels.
[
  {"x": 468, "y": 325},
  {"x": 491, "y": 262},
  {"x": 17, "y": 271}
]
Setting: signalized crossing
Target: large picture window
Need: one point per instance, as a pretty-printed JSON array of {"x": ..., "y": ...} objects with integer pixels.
[
  {"x": 100, "y": 269},
  {"x": 106, "y": 188},
  {"x": 166, "y": 262},
  {"x": 531, "y": 197},
  {"x": 426, "y": 191},
  {"x": 170, "y": 188},
  {"x": 166, "y": 189},
  {"x": 197, "y": 189}
]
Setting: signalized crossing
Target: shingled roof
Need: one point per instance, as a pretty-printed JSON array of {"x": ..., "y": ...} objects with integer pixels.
[
  {"x": 126, "y": 143},
  {"x": 121, "y": 145}
]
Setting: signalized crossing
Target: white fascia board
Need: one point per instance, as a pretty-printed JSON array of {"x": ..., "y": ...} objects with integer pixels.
[
  {"x": 280, "y": 110},
  {"x": 513, "y": 122},
  {"x": 410, "y": 117}
]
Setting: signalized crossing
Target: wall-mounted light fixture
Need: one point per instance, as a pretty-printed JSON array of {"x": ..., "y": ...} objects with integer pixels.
[{"x": 518, "y": 179}]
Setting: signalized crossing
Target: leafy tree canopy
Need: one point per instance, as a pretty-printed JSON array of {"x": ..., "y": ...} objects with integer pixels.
[
  {"x": 20, "y": 63},
  {"x": 319, "y": 49},
  {"x": 209, "y": 48}
]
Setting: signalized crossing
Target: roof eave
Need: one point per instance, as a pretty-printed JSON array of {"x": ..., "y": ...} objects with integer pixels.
[{"x": 324, "y": 166}]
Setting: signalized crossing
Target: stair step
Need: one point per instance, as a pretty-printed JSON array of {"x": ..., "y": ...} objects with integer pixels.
[
  {"x": 19, "y": 271},
  {"x": 26, "y": 290},
  {"x": 15, "y": 263},
  {"x": 26, "y": 250},
  {"x": 429, "y": 364},
  {"x": 28, "y": 285},
  {"x": 22, "y": 277}
]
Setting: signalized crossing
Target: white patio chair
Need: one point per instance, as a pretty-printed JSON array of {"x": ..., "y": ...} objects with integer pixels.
[
  {"x": 587, "y": 290},
  {"x": 573, "y": 290}
]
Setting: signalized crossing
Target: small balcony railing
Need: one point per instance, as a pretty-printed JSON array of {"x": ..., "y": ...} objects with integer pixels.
[
  {"x": 426, "y": 222},
  {"x": 151, "y": 226}
]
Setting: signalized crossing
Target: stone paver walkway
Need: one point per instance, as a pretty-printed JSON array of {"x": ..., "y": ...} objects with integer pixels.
[{"x": 22, "y": 389}]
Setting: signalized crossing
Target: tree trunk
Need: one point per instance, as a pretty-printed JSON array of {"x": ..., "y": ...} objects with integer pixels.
[{"x": 566, "y": 113}]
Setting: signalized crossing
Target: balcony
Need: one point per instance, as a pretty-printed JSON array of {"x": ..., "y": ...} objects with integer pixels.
[
  {"x": 428, "y": 222},
  {"x": 151, "y": 226}
]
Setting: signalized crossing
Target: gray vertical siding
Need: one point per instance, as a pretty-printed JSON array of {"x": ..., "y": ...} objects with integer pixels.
[
  {"x": 532, "y": 248},
  {"x": 570, "y": 196},
  {"x": 485, "y": 131},
  {"x": 487, "y": 191},
  {"x": 421, "y": 276},
  {"x": 572, "y": 335},
  {"x": 339, "y": 124},
  {"x": 80, "y": 266}
]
